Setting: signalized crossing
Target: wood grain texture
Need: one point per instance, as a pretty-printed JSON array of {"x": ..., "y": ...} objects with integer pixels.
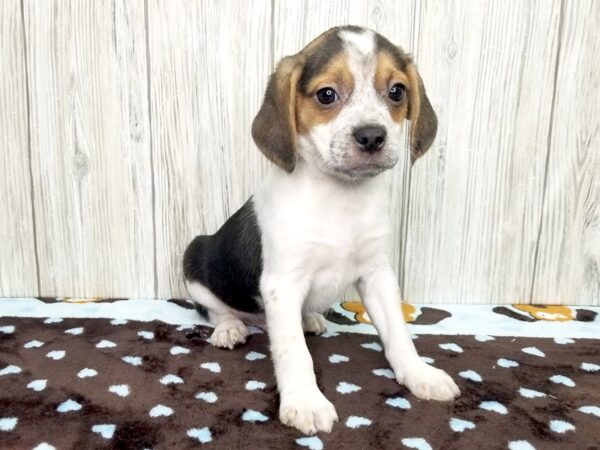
[
  {"x": 18, "y": 271},
  {"x": 568, "y": 265},
  {"x": 476, "y": 197},
  {"x": 209, "y": 64},
  {"x": 90, "y": 147},
  {"x": 139, "y": 116}
]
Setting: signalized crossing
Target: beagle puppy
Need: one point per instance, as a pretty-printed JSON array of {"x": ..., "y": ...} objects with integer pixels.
[{"x": 331, "y": 121}]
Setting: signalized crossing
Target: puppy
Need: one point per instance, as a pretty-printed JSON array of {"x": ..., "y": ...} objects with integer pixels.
[{"x": 331, "y": 121}]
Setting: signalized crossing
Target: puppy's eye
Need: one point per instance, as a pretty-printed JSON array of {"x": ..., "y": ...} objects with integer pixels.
[
  {"x": 326, "y": 96},
  {"x": 397, "y": 92}
]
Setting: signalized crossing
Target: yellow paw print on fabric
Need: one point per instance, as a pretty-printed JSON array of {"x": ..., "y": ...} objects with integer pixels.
[
  {"x": 556, "y": 313},
  {"x": 361, "y": 315}
]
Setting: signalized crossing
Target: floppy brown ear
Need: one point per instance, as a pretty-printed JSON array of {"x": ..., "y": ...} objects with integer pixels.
[
  {"x": 423, "y": 120},
  {"x": 274, "y": 127}
]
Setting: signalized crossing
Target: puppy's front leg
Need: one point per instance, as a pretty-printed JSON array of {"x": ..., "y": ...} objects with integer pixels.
[
  {"x": 381, "y": 296},
  {"x": 302, "y": 404}
]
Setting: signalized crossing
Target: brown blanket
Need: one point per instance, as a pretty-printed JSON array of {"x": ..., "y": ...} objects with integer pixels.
[{"x": 93, "y": 383}]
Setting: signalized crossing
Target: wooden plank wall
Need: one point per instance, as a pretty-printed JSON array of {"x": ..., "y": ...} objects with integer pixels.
[
  {"x": 90, "y": 163},
  {"x": 125, "y": 131},
  {"x": 568, "y": 260},
  {"x": 18, "y": 265}
]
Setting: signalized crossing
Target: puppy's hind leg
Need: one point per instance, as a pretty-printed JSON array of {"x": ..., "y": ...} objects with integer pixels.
[
  {"x": 313, "y": 322},
  {"x": 230, "y": 330}
]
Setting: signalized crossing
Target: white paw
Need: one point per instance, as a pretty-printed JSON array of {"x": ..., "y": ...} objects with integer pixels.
[
  {"x": 308, "y": 411},
  {"x": 313, "y": 322},
  {"x": 428, "y": 383},
  {"x": 228, "y": 333}
]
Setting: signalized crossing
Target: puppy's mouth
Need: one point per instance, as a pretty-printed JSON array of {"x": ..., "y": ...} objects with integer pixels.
[
  {"x": 347, "y": 162},
  {"x": 359, "y": 164},
  {"x": 365, "y": 170}
]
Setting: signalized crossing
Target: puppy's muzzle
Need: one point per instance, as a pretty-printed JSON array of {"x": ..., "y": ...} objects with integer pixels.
[{"x": 370, "y": 138}]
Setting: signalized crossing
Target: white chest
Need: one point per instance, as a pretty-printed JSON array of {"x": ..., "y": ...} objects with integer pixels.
[{"x": 324, "y": 233}]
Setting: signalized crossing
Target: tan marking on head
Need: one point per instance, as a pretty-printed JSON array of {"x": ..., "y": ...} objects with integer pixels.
[
  {"x": 387, "y": 74},
  {"x": 337, "y": 75}
]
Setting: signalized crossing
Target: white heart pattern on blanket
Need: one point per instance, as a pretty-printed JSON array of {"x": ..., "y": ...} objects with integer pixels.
[
  {"x": 133, "y": 360},
  {"x": 178, "y": 350},
  {"x": 416, "y": 443},
  {"x": 460, "y": 425},
  {"x": 74, "y": 331},
  {"x": 312, "y": 443},
  {"x": 254, "y": 385},
  {"x": 105, "y": 430},
  {"x": 471, "y": 375},
  {"x": 161, "y": 411},
  {"x": 68, "y": 405},
  {"x": 357, "y": 422},
  {"x": 336, "y": 359},
  {"x": 10, "y": 370},
  {"x": 122, "y": 390},
  {"x": 254, "y": 356},
  {"x": 33, "y": 344},
  {"x": 171, "y": 379},
  {"x": 87, "y": 373},
  {"x": 507, "y": 363},
  {"x": 212, "y": 366},
  {"x": 37, "y": 385},
  {"x": 8, "y": 423},
  {"x": 201, "y": 434},
  {"x": 56, "y": 354}
]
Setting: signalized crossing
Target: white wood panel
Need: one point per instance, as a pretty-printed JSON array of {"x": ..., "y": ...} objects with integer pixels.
[
  {"x": 476, "y": 196},
  {"x": 18, "y": 271},
  {"x": 478, "y": 219},
  {"x": 568, "y": 266},
  {"x": 297, "y": 23},
  {"x": 209, "y": 65},
  {"x": 90, "y": 147}
]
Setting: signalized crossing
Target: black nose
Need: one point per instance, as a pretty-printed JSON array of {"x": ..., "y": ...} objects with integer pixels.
[{"x": 370, "y": 138}]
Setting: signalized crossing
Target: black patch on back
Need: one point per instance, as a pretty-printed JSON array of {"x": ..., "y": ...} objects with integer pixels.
[{"x": 229, "y": 262}]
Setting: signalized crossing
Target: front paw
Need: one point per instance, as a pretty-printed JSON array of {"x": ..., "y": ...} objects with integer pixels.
[
  {"x": 428, "y": 383},
  {"x": 307, "y": 410}
]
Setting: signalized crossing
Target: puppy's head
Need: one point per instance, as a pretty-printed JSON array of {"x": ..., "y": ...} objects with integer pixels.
[{"x": 339, "y": 105}]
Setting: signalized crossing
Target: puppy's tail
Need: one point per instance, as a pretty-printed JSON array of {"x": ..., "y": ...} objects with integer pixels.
[{"x": 201, "y": 310}]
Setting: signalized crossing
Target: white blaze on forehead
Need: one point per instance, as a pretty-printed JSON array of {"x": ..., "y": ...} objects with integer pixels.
[
  {"x": 360, "y": 51},
  {"x": 361, "y": 43},
  {"x": 364, "y": 105},
  {"x": 359, "y": 48}
]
